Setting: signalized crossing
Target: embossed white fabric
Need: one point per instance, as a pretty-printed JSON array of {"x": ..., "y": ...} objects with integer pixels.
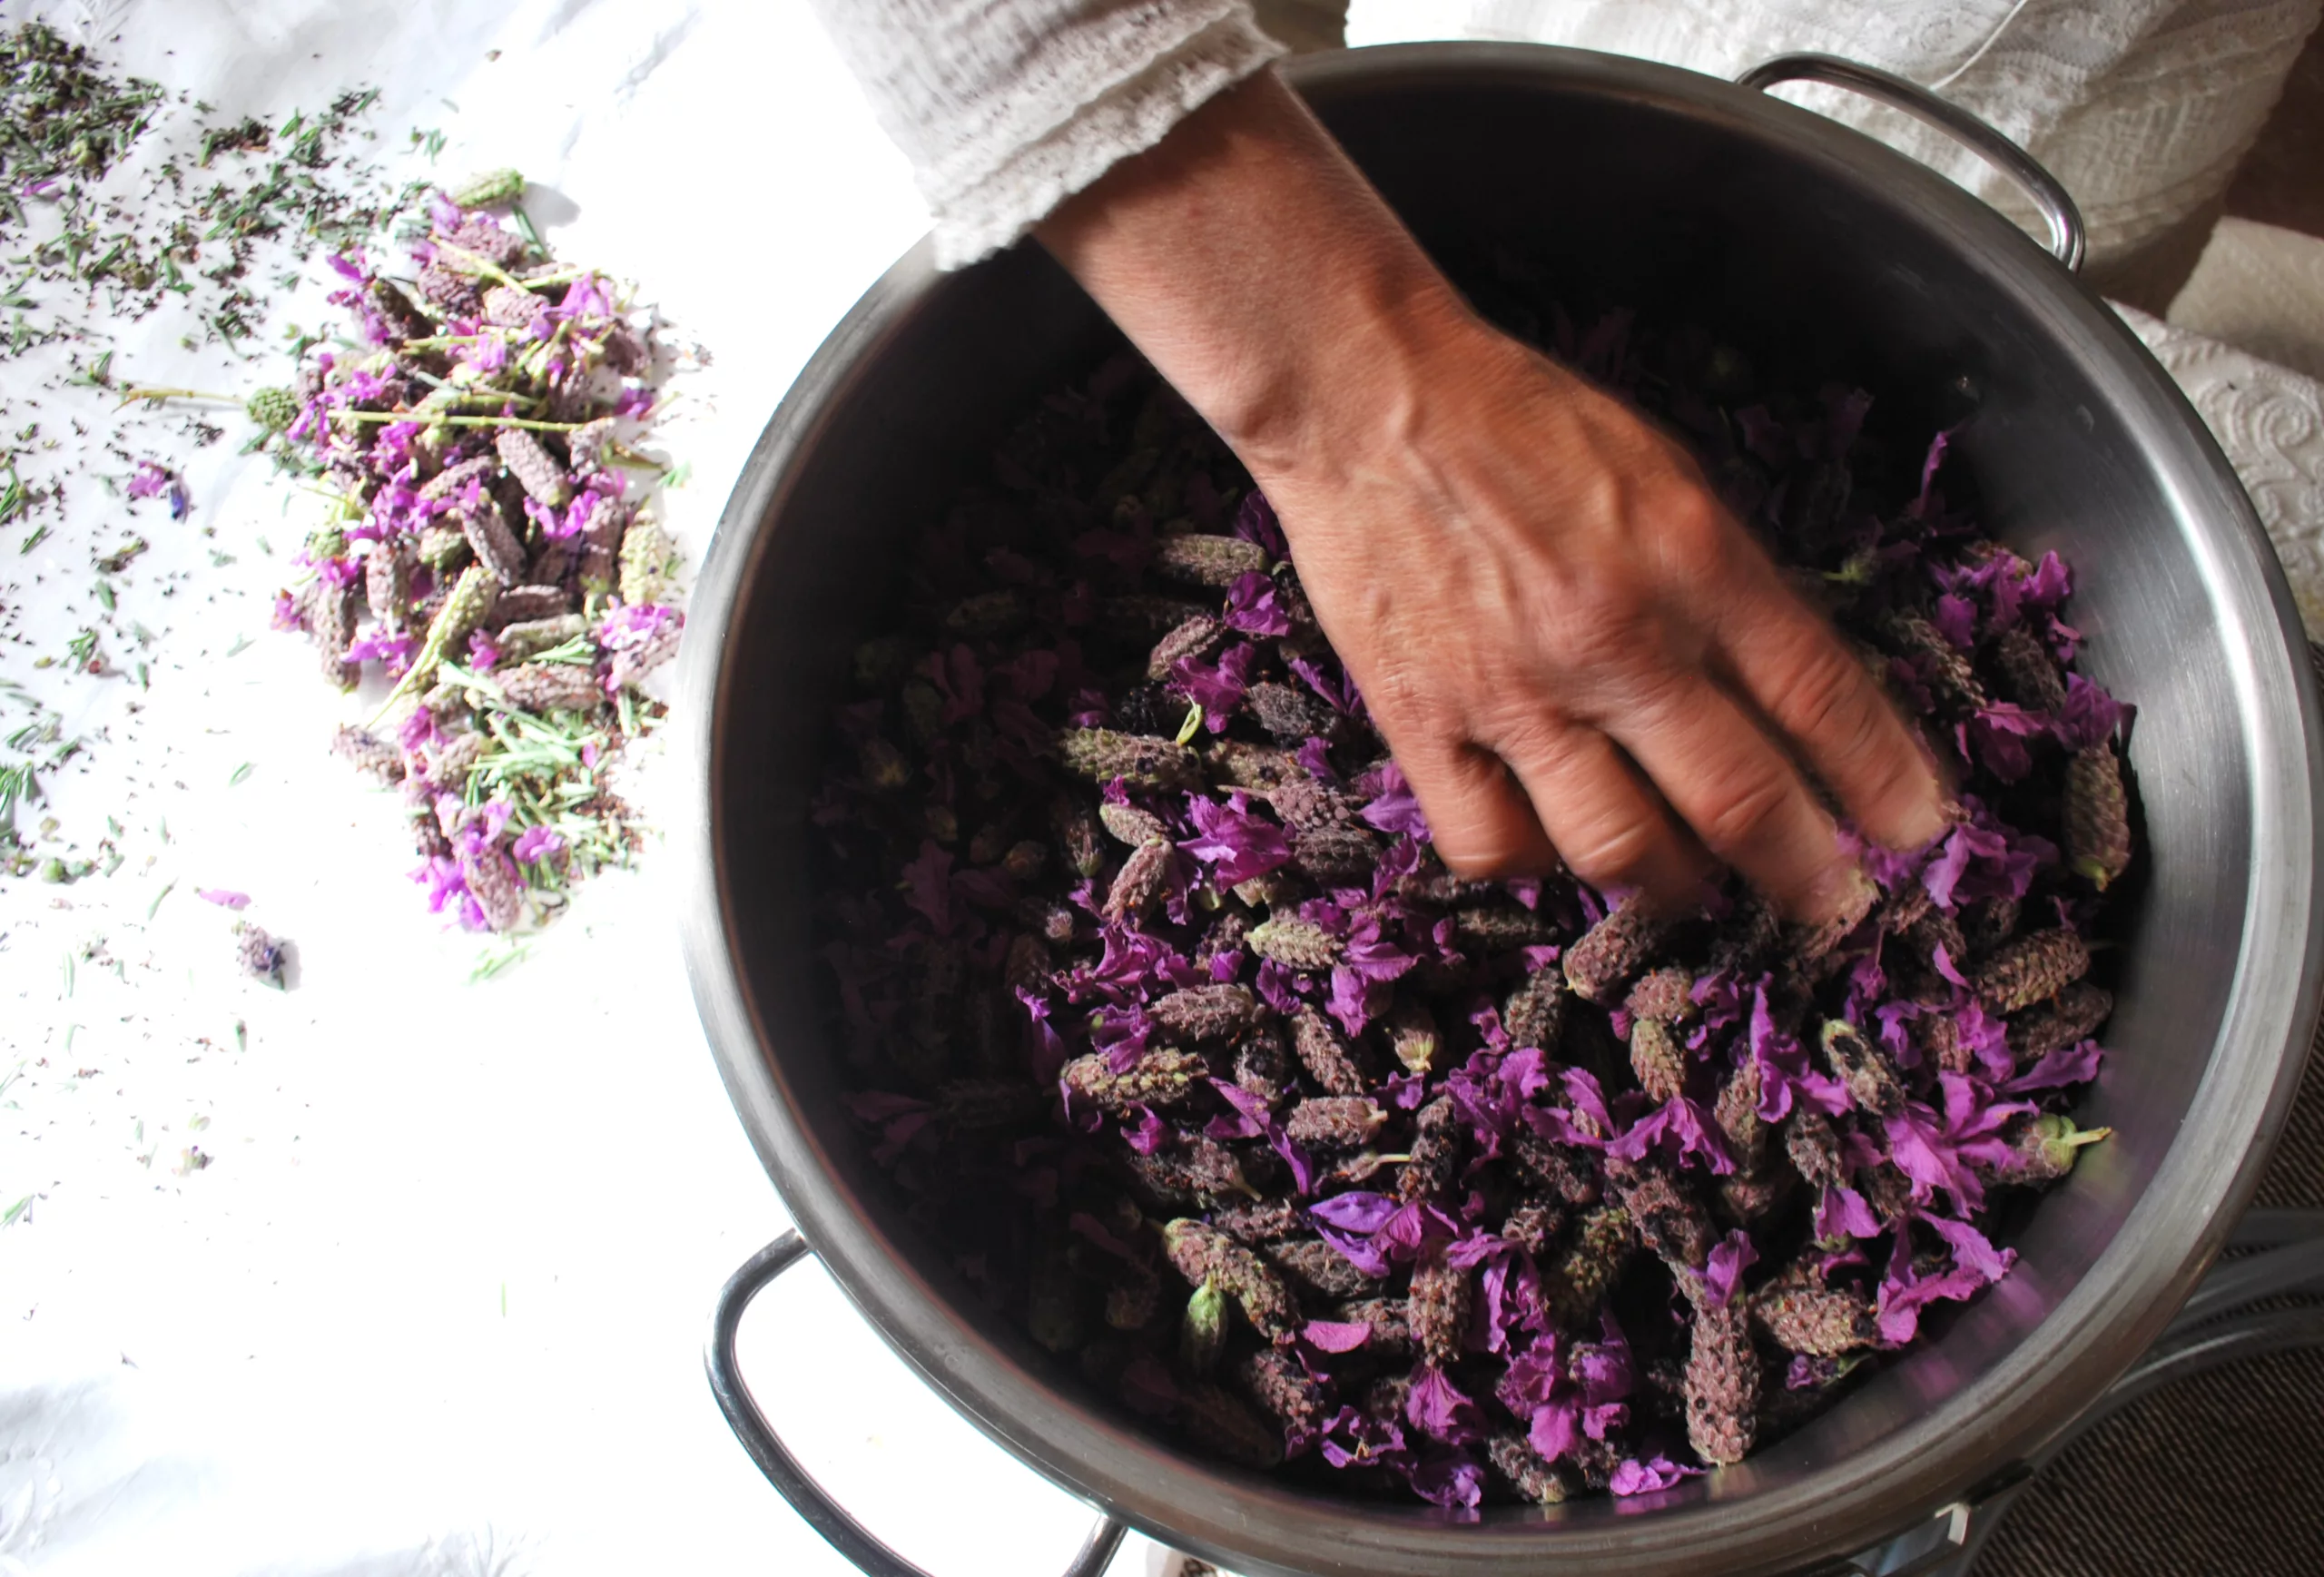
[
  {"x": 2142, "y": 108},
  {"x": 2270, "y": 422},
  {"x": 1007, "y": 107},
  {"x": 2261, "y": 288}
]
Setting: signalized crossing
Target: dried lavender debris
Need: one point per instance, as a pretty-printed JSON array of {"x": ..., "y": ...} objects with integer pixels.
[
  {"x": 261, "y": 956},
  {"x": 124, "y": 203},
  {"x": 1451, "y": 1189}
]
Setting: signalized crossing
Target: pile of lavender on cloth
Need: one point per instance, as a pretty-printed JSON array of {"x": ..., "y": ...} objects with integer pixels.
[
  {"x": 1176, "y": 1034},
  {"x": 486, "y": 548}
]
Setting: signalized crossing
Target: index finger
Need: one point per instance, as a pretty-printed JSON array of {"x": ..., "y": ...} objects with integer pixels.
[{"x": 1812, "y": 689}]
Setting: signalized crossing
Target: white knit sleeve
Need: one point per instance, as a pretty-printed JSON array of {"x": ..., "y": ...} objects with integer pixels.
[{"x": 1008, "y": 107}]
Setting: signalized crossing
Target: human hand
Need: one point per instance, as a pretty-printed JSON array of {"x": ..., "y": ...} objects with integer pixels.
[
  {"x": 1570, "y": 647},
  {"x": 1558, "y": 630}
]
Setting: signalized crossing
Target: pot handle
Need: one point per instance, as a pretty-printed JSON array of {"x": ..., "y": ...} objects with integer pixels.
[
  {"x": 784, "y": 1470},
  {"x": 2067, "y": 242}
]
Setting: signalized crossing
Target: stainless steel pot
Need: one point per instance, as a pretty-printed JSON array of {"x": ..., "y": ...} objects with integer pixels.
[{"x": 1677, "y": 195}]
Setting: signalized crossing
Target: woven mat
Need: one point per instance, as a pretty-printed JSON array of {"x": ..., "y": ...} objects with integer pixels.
[{"x": 2223, "y": 1472}]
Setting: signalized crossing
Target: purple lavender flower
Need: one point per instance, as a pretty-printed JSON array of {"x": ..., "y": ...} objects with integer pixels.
[
  {"x": 1236, "y": 844},
  {"x": 392, "y": 648},
  {"x": 633, "y": 626},
  {"x": 150, "y": 480},
  {"x": 537, "y": 843},
  {"x": 1253, "y": 607},
  {"x": 1635, "y": 1477},
  {"x": 1393, "y": 810}
]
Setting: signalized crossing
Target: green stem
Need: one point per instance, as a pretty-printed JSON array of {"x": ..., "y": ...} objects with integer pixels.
[
  {"x": 459, "y": 393},
  {"x": 132, "y": 396},
  {"x": 482, "y": 266},
  {"x": 426, "y": 418}
]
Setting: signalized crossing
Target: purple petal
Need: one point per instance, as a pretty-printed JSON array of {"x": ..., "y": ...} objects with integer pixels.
[
  {"x": 1396, "y": 811},
  {"x": 1450, "y": 1479},
  {"x": 1554, "y": 1429},
  {"x": 1634, "y": 1477},
  {"x": 1972, "y": 1250},
  {"x": 1255, "y": 521},
  {"x": 1253, "y": 607},
  {"x": 1149, "y": 1133},
  {"x": 1437, "y": 1409},
  {"x": 1359, "y": 1213},
  {"x": 2059, "y": 1069},
  {"x": 1844, "y": 1213},
  {"x": 1730, "y": 1259},
  {"x": 1335, "y": 1336},
  {"x": 1956, "y": 621},
  {"x": 1236, "y": 844}
]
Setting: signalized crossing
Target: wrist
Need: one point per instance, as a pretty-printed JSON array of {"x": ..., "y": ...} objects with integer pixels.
[
  {"x": 1261, "y": 274},
  {"x": 1348, "y": 379}
]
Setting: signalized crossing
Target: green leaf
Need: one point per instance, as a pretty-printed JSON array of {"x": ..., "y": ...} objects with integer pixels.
[{"x": 241, "y": 772}]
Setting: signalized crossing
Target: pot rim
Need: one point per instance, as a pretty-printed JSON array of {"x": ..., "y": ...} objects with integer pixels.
[{"x": 2119, "y": 1305}]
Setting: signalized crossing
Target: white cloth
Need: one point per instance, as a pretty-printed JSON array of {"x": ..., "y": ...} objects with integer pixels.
[
  {"x": 1008, "y": 107},
  {"x": 2142, "y": 108},
  {"x": 2261, "y": 288},
  {"x": 2269, "y": 420},
  {"x": 436, "y": 1308}
]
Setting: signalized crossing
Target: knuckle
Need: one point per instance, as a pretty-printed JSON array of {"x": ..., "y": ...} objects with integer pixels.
[
  {"x": 1603, "y": 627},
  {"x": 1479, "y": 826},
  {"x": 1827, "y": 699},
  {"x": 1485, "y": 861},
  {"x": 1679, "y": 527},
  {"x": 1398, "y": 688},
  {"x": 1692, "y": 524},
  {"x": 1747, "y": 813},
  {"x": 1531, "y": 736},
  {"x": 1657, "y": 694},
  {"x": 1611, "y": 850}
]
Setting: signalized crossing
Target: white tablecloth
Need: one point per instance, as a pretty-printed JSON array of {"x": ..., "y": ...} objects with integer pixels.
[{"x": 437, "y": 1303}]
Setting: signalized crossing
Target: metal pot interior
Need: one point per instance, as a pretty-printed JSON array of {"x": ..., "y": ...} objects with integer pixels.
[{"x": 1817, "y": 251}]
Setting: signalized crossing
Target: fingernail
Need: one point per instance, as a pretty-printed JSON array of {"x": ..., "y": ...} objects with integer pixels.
[
  {"x": 1841, "y": 895},
  {"x": 1938, "y": 813}
]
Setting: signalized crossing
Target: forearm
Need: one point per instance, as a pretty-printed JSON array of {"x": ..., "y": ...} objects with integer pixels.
[
  {"x": 1259, "y": 272},
  {"x": 1555, "y": 624}
]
